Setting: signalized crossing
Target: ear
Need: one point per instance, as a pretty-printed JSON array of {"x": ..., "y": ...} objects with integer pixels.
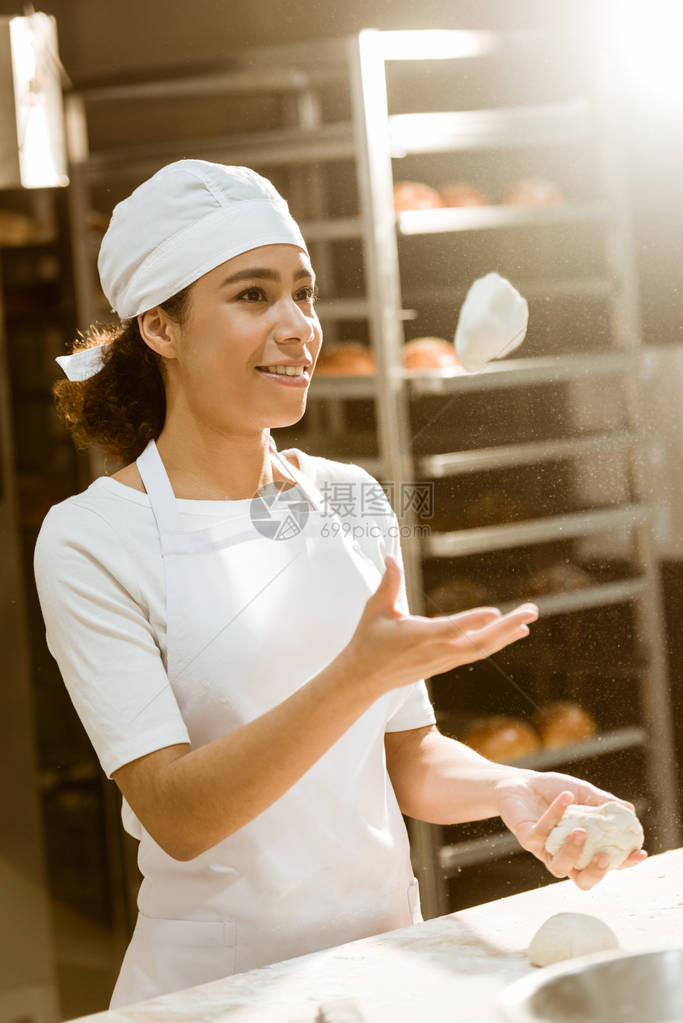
[{"x": 158, "y": 331}]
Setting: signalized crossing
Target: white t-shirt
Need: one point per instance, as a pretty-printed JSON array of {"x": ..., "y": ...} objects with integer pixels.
[{"x": 100, "y": 580}]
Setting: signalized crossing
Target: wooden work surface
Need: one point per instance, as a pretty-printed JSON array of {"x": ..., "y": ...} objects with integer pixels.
[{"x": 448, "y": 970}]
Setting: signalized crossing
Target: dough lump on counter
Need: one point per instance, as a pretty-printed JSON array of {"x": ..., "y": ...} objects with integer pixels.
[{"x": 566, "y": 935}]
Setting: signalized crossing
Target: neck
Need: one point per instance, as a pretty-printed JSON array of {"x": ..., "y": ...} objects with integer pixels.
[{"x": 205, "y": 465}]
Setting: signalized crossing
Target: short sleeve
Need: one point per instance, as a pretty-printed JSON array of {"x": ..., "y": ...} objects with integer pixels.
[
  {"x": 101, "y": 639},
  {"x": 416, "y": 710}
]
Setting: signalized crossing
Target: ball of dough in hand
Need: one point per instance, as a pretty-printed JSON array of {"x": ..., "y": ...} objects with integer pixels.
[
  {"x": 611, "y": 828},
  {"x": 492, "y": 322},
  {"x": 566, "y": 935}
]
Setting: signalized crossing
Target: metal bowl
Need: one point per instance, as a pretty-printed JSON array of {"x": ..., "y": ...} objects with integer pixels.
[{"x": 609, "y": 987}]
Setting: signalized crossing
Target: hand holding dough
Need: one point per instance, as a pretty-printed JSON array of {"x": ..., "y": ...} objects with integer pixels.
[
  {"x": 566, "y": 935},
  {"x": 611, "y": 828},
  {"x": 492, "y": 322}
]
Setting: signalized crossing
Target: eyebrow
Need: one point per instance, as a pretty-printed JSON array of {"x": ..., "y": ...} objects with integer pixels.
[{"x": 264, "y": 274}]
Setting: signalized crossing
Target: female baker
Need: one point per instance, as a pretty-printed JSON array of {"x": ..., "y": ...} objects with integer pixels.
[{"x": 248, "y": 674}]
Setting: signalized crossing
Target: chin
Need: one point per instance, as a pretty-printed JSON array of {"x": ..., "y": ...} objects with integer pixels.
[{"x": 282, "y": 420}]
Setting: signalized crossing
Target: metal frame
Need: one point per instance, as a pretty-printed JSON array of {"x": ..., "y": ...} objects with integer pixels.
[
  {"x": 28, "y": 975},
  {"x": 661, "y": 762},
  {"x": 372, "y": 139},
  {"x": 470, "y": 130}
]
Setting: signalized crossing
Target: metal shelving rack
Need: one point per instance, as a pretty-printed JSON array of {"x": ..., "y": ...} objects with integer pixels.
[
  {"x": 387, "y": 138},
  {"x": 370, "y": 140},
  {"x": 28, "y": 975}
]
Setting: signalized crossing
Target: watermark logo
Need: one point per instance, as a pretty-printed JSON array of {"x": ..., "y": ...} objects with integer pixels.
[
  {"x": 370, "y": 499},
  {"x": 279, "y": 511}
]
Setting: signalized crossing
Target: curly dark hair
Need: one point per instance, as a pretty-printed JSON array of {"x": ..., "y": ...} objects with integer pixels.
[{"x": 123, "y": 406}]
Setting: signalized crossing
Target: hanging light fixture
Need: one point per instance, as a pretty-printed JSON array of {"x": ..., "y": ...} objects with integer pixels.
[{"x": 32, "y": 147}]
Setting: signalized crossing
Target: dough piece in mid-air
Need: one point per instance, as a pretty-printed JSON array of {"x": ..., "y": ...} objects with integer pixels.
[
  {"x": 566, "y": 935},
  {"x": 492, "y": 323},
  {"x": 611, "y": 828}
]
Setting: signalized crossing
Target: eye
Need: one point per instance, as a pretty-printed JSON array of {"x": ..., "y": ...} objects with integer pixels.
[
  {"x": 310, "y": 292},
  {"x": 251, "y": 291}
]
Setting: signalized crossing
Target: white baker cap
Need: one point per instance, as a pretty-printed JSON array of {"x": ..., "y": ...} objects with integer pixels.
[{"x": 187, "y": 219}]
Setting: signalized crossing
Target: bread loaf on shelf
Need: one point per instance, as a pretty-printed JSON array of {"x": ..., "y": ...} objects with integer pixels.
[
  {"x": 429, "y": 353},
  {"x": 563, "y": 723},
  {"x": 456, "y": 595},
  {"x": 97, "y": 221},
  {"x": 535, "y": 191},
  {"x": 560, "y": 577},
  {"x": 415, "y": 195},
  {"x": 17, "y": 228},
  {"x": 501, "y": 738},
  {"x": 345, "y": 358},
  {"x": 494, "y": 508},
  {"x": 463, "y": 193}
]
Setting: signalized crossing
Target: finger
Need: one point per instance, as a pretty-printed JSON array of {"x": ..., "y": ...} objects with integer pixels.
[
  {"x": 604, "y": 797},
  {"x": 544, "y": 825},
  {"x": 598, "y": 797},
  {"x": 509, "y": 623},
  {"x": 564, "y": 861},
  {"x": 498, "y": 634},
  {"x": 639, "y": 856},
  {"x": 384, "y": 597},
  {"x": 478, "y": 645},
  {"x": 467, "y": 621},
  {"x": 592, "y": 874},
  {"x": 524, "y": 608},
  {"x": 492, "y": 645},
  {"x": 523, "y": 615}
]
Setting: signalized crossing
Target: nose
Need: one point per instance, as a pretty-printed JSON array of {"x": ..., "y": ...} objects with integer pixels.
[{"x": 293, "y": 324}]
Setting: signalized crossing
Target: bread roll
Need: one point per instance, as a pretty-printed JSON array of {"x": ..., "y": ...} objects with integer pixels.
[
  {"x": 16, "y": 228},
  {"x": 414, "y": 195},
  {"x": 463, "y": 193},
  {"x": 429, "y": 353},
  {"x": 562, "y": 723},
  {"x": 346, "y": 358},
  {"x": 534, "y": 192},
  {"x": 97, "y": 221},
  {"x": 494, "y": 508},
  {"x": 501, "y": 738},
  {"x": 558, "y": 578},
  {"x": 456, "y": 595}
]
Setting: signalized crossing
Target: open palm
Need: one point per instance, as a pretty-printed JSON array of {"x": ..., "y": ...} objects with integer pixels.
[{"x": 531, "y": 803}]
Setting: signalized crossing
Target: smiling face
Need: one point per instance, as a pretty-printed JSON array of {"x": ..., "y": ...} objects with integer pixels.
[{"x": 255, "y": 310}]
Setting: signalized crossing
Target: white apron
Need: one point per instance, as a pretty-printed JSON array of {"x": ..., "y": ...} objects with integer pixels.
[{"x": 250, "y": 619}]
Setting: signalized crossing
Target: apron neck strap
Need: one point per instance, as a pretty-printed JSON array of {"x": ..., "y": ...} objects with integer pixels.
[
  {"x": 159, "y": 490},
  {"x": 306, "y": 486},
  {"x": 163, "y": 500}
]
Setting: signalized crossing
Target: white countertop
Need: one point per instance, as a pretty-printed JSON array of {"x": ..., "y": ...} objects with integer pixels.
[{"x": 448, "y": 970}]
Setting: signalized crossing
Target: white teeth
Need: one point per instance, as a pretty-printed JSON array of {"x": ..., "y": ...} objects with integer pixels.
[{"x": 290, "y": 371}]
